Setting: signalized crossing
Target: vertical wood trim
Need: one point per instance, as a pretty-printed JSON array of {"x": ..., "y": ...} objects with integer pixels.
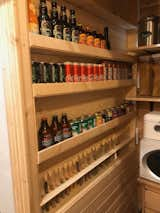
[{"x": 19, "y": 104}]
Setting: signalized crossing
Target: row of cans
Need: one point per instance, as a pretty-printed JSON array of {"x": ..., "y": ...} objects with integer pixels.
[
  {"x": 117, "y": 70},
  {"x": 78, "y": 72},
  {"x": 87, "y": 122}
]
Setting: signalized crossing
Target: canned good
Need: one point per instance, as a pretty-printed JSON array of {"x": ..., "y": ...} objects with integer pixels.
[
  {"x": 76, "y": 72},
  {"x": 95, "y": 72},
  {"x": 90, "y": 72},
  {"x": 62, "y": 76},
  {"x": 91, "y": 121},
  {"x": 110, "y": 72},
  {"x": 76, "y": 127},
  {"x": 99, "y": 119},
  {"x": 68, "y": 72},
  {"x": 110, "y": 114},
  {"x": 35, "y": 72},
  {"x": 114, "y": 72},
  {"x": 104, "y": 116},
  {"x": 101, "y": 72},
  {"x": 84, "y": 123},
  {"x": 83, "y": 72}
]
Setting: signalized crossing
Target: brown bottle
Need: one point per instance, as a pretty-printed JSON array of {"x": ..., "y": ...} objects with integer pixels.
[
  {"x": 44, "y": 135},
  {"x": 56, "y": 129},
  {"x": 66, "y": 128}
]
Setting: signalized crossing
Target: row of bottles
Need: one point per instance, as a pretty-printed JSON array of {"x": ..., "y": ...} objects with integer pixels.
[
  {"x": 60, "y": 173},
  {"x": 59, "y": 131},
  {"x": 61, "y": 27}
]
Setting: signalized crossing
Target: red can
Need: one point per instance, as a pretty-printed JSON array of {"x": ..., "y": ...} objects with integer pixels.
[
  {"x": 68, "y": 71},
  {"x": 90, "y": 72},
  {"x": 95, "y": 72},
  {"x": 83, "y": 72},
  {"x": 101, "y": 72},
  {"x": 76, "y": 72}
]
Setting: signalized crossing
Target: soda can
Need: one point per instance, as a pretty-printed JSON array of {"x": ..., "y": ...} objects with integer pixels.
[
  {"x": 110, "y": 71},
  {"x": 68, "y": 72},
  {"x": 90, "y": 72},
  {"x": 76, "y": 72},
  {"x": 35, "y": 72},
  {"x": 41, "y": 72},
  {"x": 101, "y": 72},
  {"x": 95, "y": 72},
  {"x": 84, "y": 123},
  {"x": 76, "y": 127},
  {"x": 114, "y": 72},
  {"x": 83, "y": 72},
  {"x": 62, "y": 76}
]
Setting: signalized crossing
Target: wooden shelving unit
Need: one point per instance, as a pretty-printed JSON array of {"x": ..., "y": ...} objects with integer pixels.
[
  {"x": 46, "y": 45},
  {"x": 54, "y": 89},
  {"x": 89, "y": 168},
  {"x": 143, "y": 99},
  {"x": 81, "y": 138}
]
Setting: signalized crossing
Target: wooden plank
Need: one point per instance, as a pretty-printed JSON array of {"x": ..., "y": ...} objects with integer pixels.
[
  {"x": 152, "y": 200},
  {"x": 143, "y": 99},
  {"x": 44, "y": 90},
  {"x": 70, "y": 143},
  {"x": 48, "y": 45},
  {"x": 156, "y": 79}
]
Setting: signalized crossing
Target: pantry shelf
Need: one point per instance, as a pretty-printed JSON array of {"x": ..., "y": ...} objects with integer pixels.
[
  {"x": 144, "y": 50},
  {"x": 89, "y": 168},
  {"x": 144, "y": 99},
  {"x": 54, "y": 89},
  {"x": 42, "y": 44},
  {"x": 70, "y": 143}
]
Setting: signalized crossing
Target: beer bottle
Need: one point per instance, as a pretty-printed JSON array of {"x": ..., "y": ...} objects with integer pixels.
[
  {"x": 106, "y": 36},
  {"x": 65, "y": 25},
  {"x": 33, "y": 20},
  {"x": 56, "y": 129},
  {"x": 66, "y": 128},
  {"x": 44, "y": 135},
  {"x": 56, "y": 26},
  {"x": 44, "y": 20},
  {"x": 74, "y": 28}
]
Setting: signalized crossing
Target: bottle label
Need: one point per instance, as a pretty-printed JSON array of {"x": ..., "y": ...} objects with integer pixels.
[
  {"x": 57, "y": 32},
  {"x": 66, "y": 34},
  {"x": 75, "y": 35},
  {"x": 66, "y": 133},
  {"x": 58, "y": 137},
  {"x": 45, "y": 28},
  {"x": 47, "y": 140},
  {"x": 82, "y": 38}
]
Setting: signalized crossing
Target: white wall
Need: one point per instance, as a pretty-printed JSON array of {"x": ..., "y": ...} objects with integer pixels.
[{"x": 6, "y": 192}]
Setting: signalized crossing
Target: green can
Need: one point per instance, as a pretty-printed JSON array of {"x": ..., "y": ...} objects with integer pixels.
[
  {"x": 91, "y": 122},
  {"x": 84, "y": 123},
  {"x": 76, "y": 127}
]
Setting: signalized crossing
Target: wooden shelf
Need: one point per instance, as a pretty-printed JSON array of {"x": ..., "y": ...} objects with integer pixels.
[
  {"x": 144, "y": 99},
  {"x": 89, "y": 168},
  {"x": 40, "y": 44},
  {"x": 116, "y": 166},
  {"x": 70, "y": 143},
  {"x": 54, "y": 89},
  {"x": 143, "y": 50}
]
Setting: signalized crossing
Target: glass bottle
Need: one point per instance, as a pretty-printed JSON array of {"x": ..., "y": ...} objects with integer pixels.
[
  {"x": 73, "y": 26},
  {"x": 66, "y": 128},
  {"x": 44, "y": 20},
  {"x": 55, "y": 22},
  {"x": 65, "y": 25},
  {"x": 56, "y": 129},
  {"x": 44, "y": 135}
]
